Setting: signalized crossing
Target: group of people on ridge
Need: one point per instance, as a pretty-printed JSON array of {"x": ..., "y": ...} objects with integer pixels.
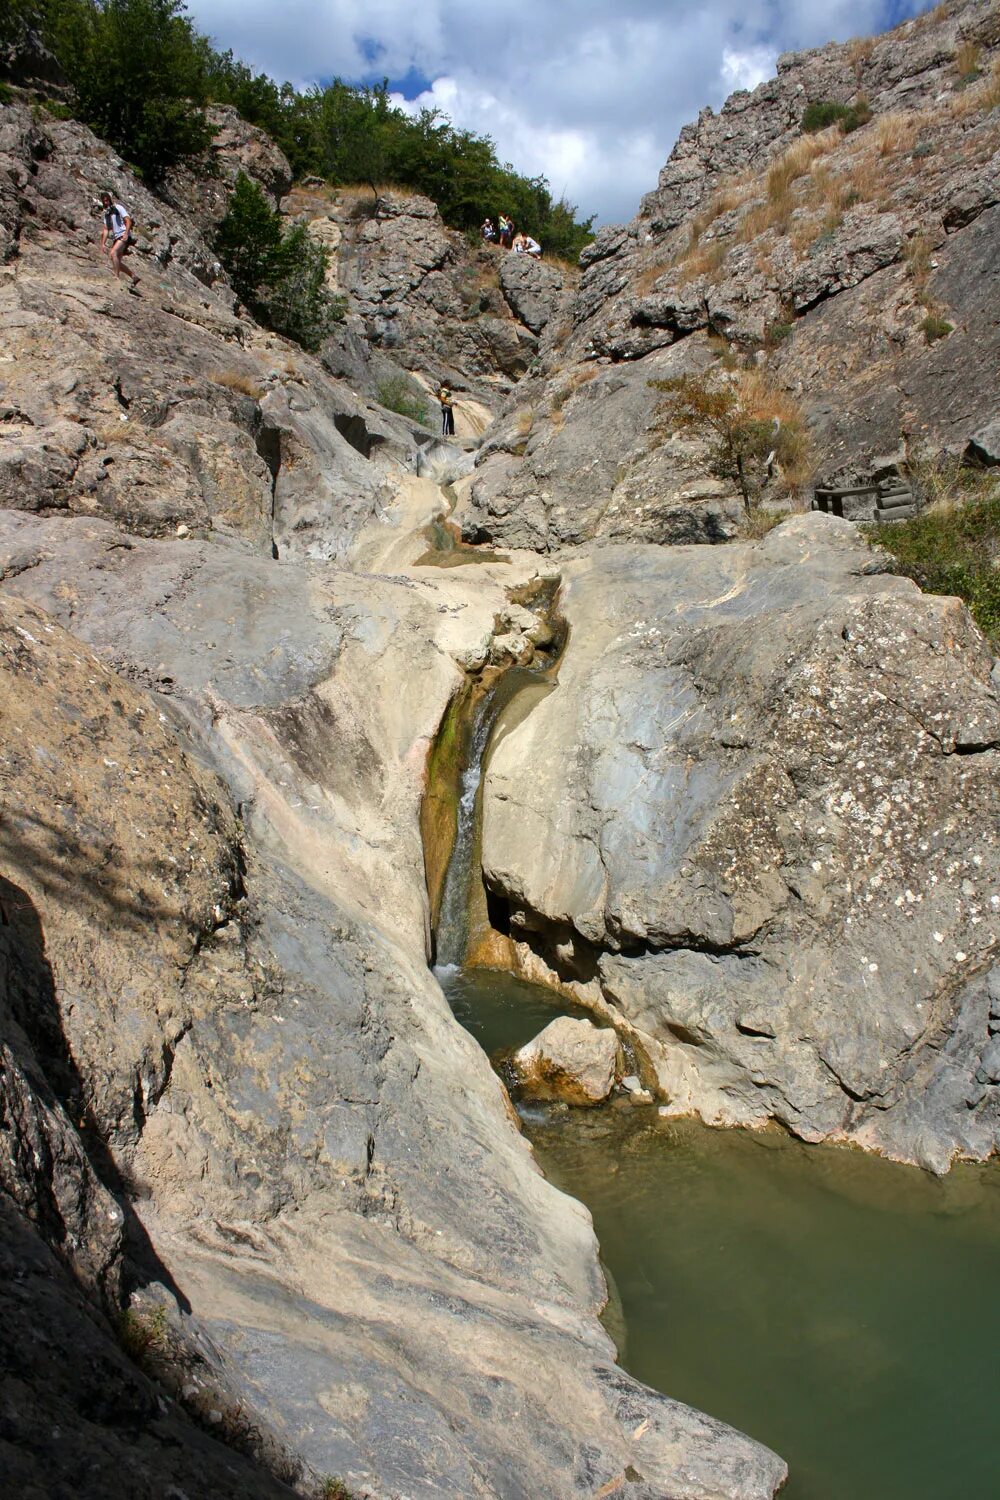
[{"x": 521, "y": 244}]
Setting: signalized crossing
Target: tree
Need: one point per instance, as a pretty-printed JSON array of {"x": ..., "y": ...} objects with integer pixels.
[
  {"x": 137, "y": 69},
  {"x": 751, "y": 427},
  {"x": 280, "y": 274}
]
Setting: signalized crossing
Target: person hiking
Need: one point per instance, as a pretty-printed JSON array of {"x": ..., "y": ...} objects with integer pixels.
[
  {"x": 116, "y": 237},
  {"x": 447, "y": 412},
  {"x": 506, "y": 231}
]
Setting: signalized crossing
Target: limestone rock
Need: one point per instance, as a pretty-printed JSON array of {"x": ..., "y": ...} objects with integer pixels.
[
  {"x": 739, "y": 817},
  {"x": 532, "y": 288},
  {"x": 201, "y": 188},
  {"x": 574, "y": 1061},
  {"x": 824, "y": 273},
  {"x": 270, "y": 1065},
  {"x": 984, "y": 445}
]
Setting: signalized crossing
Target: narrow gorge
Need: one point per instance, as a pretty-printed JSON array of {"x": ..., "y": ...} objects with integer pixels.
[{"x": 340, "y": 759}]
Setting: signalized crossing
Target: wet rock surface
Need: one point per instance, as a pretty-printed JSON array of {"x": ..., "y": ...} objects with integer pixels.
[
  {"x": 763, "y": 830},
  {"x": 574, "y": 1061}
]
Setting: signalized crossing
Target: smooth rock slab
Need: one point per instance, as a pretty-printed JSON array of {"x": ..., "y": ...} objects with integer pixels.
[{"x": 575, "y": 1061}]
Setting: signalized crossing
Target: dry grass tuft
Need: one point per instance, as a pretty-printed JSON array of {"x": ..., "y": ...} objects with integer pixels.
[
  {"x": 918, "y": 264},
  {"x": 707, "y": 260},
  {"x": 967, "y": 61},
  {"x": 798, "y": 160},
  {"x": 859, "y": 50},
  {"x": 524, "y": 420},
  {"x": 648, "y": 278},
  {"x": 577, "y": 378},
  {"x": 896, "y": 132},
  {"x": 233, "y": 380}
]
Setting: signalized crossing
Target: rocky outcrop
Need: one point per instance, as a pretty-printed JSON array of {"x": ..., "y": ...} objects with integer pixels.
[
  {"x": 286, "y": 1088},
  {"x": 763, "y": 836},
  {"x": 200, "y": 188},
  {"x": 419, "y": 300},
  {"x": 169, "y": 408},
  {"x": 859, "y": 270},
  {"x": 533, "y": 289},
  {"x": 574, "y": 1061}
]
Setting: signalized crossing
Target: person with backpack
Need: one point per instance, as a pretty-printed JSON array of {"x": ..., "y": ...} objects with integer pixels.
[{"x": 117, "y": 238}]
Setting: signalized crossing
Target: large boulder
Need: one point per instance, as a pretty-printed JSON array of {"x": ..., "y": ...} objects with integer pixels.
[
  {"x": 761, "y": 809},
  {"x": 574, "y": 1061},
  {"x": 532, "y": 288}
]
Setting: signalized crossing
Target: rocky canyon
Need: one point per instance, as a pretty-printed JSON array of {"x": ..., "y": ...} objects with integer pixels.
[{"x": 271, "y": 1225}]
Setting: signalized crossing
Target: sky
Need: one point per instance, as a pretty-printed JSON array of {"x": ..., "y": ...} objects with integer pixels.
[{"x": 590, "y": 94}]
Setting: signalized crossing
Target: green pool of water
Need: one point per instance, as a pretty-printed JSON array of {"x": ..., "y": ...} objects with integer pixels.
[{"x": 844, "y": 1310}]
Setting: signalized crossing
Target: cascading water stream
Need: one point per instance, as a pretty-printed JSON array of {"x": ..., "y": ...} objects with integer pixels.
[{"x": 840, "y": 1308}]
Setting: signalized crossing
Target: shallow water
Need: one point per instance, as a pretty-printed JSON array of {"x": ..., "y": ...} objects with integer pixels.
[{"x": 842, "y": 1309}]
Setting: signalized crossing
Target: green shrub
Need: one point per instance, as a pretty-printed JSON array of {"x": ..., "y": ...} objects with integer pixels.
[
  {"x": 749, "y": 424},
  {"x": 6, "y": 93},
  {"x": 822, "y": 113},
  {"x": 953, "y": 548},
  {"x": 279, "y": 273},
  {"x": 401, "y": 394},
  {"x": 935, "y": 328}
]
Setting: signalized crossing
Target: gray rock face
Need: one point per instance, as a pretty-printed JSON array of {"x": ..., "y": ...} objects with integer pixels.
[
  {"x": 200, "y": 189},
  {"x": 418, "y": 299},
  {"x": 984, "y": 446},
  {"x": 304, "y": 1129},
  {"x": 581, "y": 458},
  {"x": 164, "y": 409},
  {"x": 745, "y": 820},
  {"x": 821, "y": 256},
  {"x": 532, "y": 289},
  {"x": 570, "y": 1060}
]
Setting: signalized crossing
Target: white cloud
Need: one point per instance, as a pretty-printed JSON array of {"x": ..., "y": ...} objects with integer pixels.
[
  {"x": 590, "y": 96},
  {"x": 744, "y": 70}
]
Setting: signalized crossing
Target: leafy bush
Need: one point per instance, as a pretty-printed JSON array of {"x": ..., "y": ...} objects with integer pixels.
[
  {"x": 280, "y": 274},
  {"x": 953, "y": 548},
  {"x": 401, "y": 394},
  {"x": 822, "y": 113}
]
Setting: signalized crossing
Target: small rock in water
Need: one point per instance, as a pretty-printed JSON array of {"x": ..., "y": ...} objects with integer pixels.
[{"x": 574, "y": 1061}]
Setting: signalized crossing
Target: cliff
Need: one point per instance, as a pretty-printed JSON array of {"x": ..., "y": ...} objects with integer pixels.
[{"x": 270, "y": 1220}]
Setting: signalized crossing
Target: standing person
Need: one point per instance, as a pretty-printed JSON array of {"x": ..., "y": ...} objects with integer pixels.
[
  {"x": 116, "y": 237},
  {"x": 447, "y": 412},
  {"x": 506, "y": 231}
]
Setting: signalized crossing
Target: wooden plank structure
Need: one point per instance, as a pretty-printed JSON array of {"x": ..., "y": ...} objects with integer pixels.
[{"x": 885, "y": 500}]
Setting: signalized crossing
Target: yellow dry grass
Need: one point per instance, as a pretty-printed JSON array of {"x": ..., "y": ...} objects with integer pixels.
[
  {"x": 896, "y": 132},
  {"x": 859, "y": 50},
  {"x": 706, "y": 260},
  {"x": 647, "y": 279},
  {"x": 797, "y": 161},
  {"x": 234, "y": 380},
  {"x": 967, "y": 60}
]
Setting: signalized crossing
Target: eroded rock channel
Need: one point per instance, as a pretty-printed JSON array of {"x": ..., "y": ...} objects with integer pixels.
[{"x": 826, "y": 1302}]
